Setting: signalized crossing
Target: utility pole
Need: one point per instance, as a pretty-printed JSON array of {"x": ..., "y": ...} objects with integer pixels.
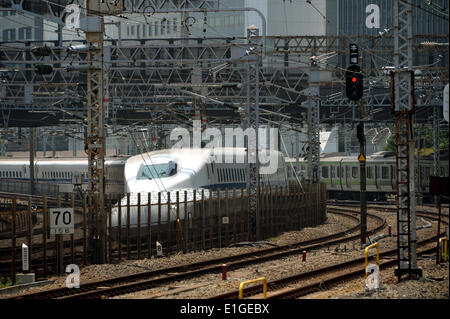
[
  {"x": 94, "y": 28},
  {"x": 93, "y": 25},
  {"x": 252, "y": 114},
  {"x": 313, "y": 124},
  {"x": 362, "y": 175},
  {"x": 362, "y": 169},
  {"x": 402, "y": 101},
  {"x": 32, "y": 151}
]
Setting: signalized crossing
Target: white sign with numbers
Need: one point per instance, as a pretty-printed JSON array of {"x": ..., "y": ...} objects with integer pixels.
[{"x": 61, "y": 221}]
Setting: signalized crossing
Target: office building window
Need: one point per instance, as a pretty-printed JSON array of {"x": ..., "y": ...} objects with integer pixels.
[
  {"x": 9, "y": 35},
  {"x": 28, "y": 33},
  {"x": 21, "y": 33},
  {"x": 175, "y": 26}
]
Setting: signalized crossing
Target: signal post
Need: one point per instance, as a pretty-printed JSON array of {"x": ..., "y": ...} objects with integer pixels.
[{"x": 354, "y": 90}]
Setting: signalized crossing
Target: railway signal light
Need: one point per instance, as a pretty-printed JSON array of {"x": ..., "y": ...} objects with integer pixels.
[
  {"x": 43, "y": 69},
  {"x": 354, "y": 82}
]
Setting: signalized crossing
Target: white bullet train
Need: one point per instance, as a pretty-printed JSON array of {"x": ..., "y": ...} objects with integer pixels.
[
  {"x": 189, "y": 169},
  {"x": 58, "y": 172}
]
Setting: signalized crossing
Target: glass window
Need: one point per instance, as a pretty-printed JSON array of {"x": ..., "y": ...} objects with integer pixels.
[
  {"x": 355, "y": 172},
  {"x": 369, "y": 172},
  {"x": 158, "y": 171},
  {"x": 9, "y": 35},
  {"x": 385, "y": 172},
  {"x": 168, "y": 27},
  {"x": 163, "y": 24},
  {"x": 28, "y": 33},
  {"x": 150, "y": 26},
  {"x": 175, "y": 26},
  {"x": 144, "y": 31},
  {"x": 156, "y": 27},
  {"x": 338, "y": 171},
  {"x": 21, "y": 33},
  {"x": 324, "y": 171}
]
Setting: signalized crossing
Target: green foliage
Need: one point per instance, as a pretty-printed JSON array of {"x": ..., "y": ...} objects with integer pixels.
[
  {"x": 425, "y": 133},
  {"x": 5, "y": 282}
]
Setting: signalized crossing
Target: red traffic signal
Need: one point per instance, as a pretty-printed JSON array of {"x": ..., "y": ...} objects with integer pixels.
[{"x": 354, "y": 82}]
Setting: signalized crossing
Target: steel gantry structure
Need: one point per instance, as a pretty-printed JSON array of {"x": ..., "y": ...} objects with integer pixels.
[
  {"x": 402, "y": 86},
  {"x": 154, "y": 76}
]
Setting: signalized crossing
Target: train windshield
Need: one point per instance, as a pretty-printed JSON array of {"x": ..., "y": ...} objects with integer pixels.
[{"x": 158, "y": 171}]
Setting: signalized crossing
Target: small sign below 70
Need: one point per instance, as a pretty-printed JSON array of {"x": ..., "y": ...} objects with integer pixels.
[{"x": 61, "y": 221}]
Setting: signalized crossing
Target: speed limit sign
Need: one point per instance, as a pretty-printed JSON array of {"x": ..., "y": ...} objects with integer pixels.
[{"x": 61, "y": 221}]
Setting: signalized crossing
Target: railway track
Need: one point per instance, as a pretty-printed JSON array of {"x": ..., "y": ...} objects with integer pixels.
[
  {"x": 150, "y": 279},
  {"x": 302, "y": 284}
]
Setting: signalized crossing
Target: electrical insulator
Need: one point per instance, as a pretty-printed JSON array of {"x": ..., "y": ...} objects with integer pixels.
[
  {"x": 42, "y": 51},
  {"x": 43, "y": 69}
]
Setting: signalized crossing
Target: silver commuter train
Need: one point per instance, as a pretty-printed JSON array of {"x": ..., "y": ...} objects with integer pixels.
[{"x": 341, "y": 174}]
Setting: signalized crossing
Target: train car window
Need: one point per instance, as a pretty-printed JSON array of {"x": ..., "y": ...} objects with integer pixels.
[
  {"x": 355, "y": 172},
  {"x": 427, "y": 172},
  {"x": 158, "y": 171},
  {"x": 332, "y": 172},
  {"x": 442, "y": 171},
  {"x": 369, "y": 172},
  {"x": 385, "y": 172},
  {"x": 324, "y": 171},
  {"x": 219, "y": 175},
  {"x": 338, "y": 171}
]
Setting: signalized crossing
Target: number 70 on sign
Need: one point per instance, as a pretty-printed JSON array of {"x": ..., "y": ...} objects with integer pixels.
[{"x": 61, "y": 221}]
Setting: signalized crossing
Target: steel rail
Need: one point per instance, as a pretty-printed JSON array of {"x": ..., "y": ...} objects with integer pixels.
[
  {"x": 320, "y": 283},
  {"x": 146, "y": 280}
]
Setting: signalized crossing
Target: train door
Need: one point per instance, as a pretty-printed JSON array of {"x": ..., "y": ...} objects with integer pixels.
[
  {"x": 393, "y": 178},
  {"x": 377, "y": 177},
  {"x": 347, "y": 176},
  {"x": 332, "y": 175}
]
